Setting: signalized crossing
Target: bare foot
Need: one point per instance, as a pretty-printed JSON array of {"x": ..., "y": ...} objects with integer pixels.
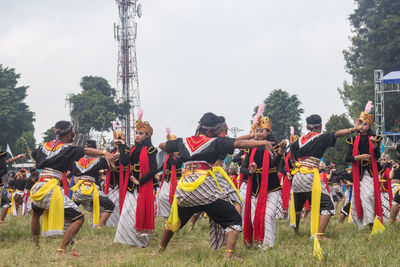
[
  {"x": 231, "y": 256},
  {"x": 36, "y": 241},
  {"x": 296, "y": 231},
  {"x": 191, "y": 227},
  {"x": 322, "y": 237},
  {"x": 155, "y": 253}
]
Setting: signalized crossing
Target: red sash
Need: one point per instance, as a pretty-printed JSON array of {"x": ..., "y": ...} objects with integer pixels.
[
  {"x": 259, "y": 217},
  {"x": 123, "y": 183},
  {"x": 356, "y": 179},
  {"x": 324, "y": 177},
  {"x": 388, "y": 185},
  {"x": 234, "y": 180},
  {"x": 108, "y": 177},
  {"x": 286, "y": 185},
  {"x": 65, "y": 184},
  {"x": 145, "y": 200},
  {"x": 173, "y": 180}
]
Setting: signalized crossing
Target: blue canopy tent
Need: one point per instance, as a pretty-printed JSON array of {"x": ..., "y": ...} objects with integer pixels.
[
  {"x": 391, "y": 78},
  {"x": 389, "y": 83}
]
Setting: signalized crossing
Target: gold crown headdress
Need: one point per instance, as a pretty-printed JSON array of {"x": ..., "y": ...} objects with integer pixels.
[
  {"x": 365, "y": 115},
  {"x": 170, "y": 136},
  {"x": 143, "y": 126},
  {"x": 264, "y": 122},
  {"x": 118, "y": 134},
  {"x": 261, "y": 122}
]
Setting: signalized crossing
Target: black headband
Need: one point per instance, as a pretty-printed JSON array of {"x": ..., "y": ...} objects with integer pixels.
[{"x": 61, "y": 132}]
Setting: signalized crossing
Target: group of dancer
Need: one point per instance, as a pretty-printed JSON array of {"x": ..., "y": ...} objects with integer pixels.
[{"x": 125, "y": 188}]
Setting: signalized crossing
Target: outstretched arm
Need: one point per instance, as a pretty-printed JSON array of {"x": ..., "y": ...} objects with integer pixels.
[
  {"x": 15, "y": 158},
  {"x": 95, "y": 152},
  {"x": 344, "y": 132}
]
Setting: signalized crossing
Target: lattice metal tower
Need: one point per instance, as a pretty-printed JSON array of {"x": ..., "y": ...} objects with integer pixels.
[{"x": 127, "y": 79}]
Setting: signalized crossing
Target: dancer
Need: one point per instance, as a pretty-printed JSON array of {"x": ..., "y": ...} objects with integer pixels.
[
  {"x": 172, "y": 171},
  {"x": 114, "y": 180},
  {"x": 54, "y": 158},
  {"x": 385, "y": 186},
  {"x": 198, "y": 190},
  {"x": 347, "y": 180},
  {"x": 86, "y": 190},
  {"x": 5, "y": 202},
  {"x": 263, "y": 188},
  {"x": 306, "y": 183},
  {"x": 395, "y": 176},
  {"x": 363, "y": 152},
  {"x": 136, "y": 221}
]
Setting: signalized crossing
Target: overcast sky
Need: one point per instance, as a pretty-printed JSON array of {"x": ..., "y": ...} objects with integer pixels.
[{"x": 194, "y": 56}]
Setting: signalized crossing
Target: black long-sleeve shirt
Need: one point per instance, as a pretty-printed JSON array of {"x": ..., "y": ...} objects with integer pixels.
[
  {"x": 90, "y": 167},
  {"x": 59, "y": 157},
  {"x": 114, "y": 173},
  {"x": 133, "y": 158},
  {"x": 273, "y": 180},
  {"x": 170, "y": 162},
  {"x": 363, "y": 148},
  {"x": 3, "y": 166}
]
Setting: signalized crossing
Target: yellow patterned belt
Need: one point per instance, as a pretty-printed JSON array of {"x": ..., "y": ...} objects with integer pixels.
[{"x": 199, "y": 172}]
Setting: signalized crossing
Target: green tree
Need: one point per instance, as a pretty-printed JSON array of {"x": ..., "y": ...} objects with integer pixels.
[
  {"x": 284, "y": 111},
  {"x": 95, "y": 107},
  {"x": 375, "y": 45},
  {"x": 49, "y": 135},
  {"x": 337, "y": 154},
  {"x": 16, "y": 120}
]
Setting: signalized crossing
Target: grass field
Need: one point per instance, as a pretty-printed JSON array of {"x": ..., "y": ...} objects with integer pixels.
[{"x": 346, "y": 247}]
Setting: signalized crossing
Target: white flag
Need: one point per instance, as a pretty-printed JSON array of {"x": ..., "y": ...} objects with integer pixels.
[{"x": 9, "y": 151}]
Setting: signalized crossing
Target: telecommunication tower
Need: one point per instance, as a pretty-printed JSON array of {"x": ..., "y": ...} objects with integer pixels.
[{"x": 127, "y": 78}]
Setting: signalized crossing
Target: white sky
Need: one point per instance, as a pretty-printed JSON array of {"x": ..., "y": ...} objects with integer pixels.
[{"x": 194, "y": 56}]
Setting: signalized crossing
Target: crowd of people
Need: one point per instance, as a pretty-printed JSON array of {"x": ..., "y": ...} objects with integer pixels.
[{"x": 265, "y": 180}]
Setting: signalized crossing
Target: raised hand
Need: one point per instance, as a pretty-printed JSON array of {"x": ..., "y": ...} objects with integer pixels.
[
  {"x": 282, "y": 146},
  {"x": 358, "y": 125},
  {"x": 374, "y": 141},
  {"x": 270, "y": 147},
  {"x": 110, "y": 159},
  {"x": 252, "y": 168},
  {"x": 134, "y": 180}
]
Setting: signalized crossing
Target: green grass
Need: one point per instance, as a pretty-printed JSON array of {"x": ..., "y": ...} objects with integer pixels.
[{"x": 346, "y": 247}]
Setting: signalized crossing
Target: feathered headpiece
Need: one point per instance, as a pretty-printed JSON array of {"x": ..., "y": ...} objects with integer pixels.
[
  {"x": 143, "y": 126},
  {"x": 261, "y": 122},
  {"x": 169, "y": 135},
  {"x": 365, "y": 115},
  {"x": 293, "y": 138},
  {"x": 118, "y": 134}
]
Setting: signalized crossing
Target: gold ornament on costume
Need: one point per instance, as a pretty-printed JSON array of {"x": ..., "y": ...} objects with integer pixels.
[
  {"x": 264, "y": 123},
  {"x": 259, "y": 121},
  {"x": 365, "y": 115},
  {"x": 118, "y": 134},
  {"x": 170, "y": 136},
  {"x": 143, "y": 126}
]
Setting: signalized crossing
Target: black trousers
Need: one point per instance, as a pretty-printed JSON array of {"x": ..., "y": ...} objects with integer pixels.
[
  {"x": 222, "y": 212},
  {"x": 300, "y": 199},
  {"x": 69, "y": 213}
]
